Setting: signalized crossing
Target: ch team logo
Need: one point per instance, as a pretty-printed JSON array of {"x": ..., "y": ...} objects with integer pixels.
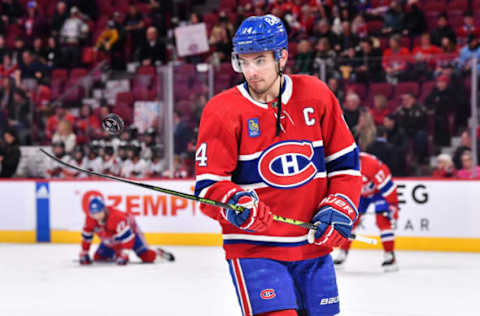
[
  {"x": 287, "y": 164},
  {"x": 268, "y": 294}
]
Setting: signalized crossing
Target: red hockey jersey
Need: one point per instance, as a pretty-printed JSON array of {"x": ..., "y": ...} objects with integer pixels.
[
  {"x": 314, "y": 155},
  {"x": 117, "y": 232},
  {"x": 377, "y": 179}
]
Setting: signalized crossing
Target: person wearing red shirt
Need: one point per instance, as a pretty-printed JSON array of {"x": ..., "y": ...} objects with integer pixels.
[
  {"x": 426, "y": 51},
  {"x": 380, "y": 109},
  {"x": 60, "y": 114},
  {"x": 395, "y": 60}
]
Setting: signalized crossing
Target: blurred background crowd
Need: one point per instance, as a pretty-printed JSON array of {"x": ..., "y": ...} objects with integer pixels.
[{"x": 400, "y": 69}]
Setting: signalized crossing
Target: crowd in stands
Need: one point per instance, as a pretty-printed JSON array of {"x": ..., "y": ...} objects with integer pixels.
[{"x": 400, "y": 69}]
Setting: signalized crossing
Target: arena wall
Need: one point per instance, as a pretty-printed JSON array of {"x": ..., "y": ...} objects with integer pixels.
[{"x": 434, "y": 215}]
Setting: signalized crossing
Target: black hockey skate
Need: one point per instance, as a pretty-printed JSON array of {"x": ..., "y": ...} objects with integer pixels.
[{"x": 389, "y": 262}]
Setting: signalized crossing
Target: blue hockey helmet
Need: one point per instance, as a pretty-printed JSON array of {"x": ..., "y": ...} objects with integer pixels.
[
  {"x": 259, "y": 34},
  {"x": 96, "y": 205}
]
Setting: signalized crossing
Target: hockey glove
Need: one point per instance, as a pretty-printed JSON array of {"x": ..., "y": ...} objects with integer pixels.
[
  {"x": 255, "y": 217},
  {"x": 393, "y": 212},
  {"x": 84, "y": 258},
  {"x": 122, "y": 258},
  {"x": 334, "y": 220}
]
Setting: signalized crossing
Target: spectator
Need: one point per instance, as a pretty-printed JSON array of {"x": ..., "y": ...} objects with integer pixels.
[
  {"x": 88, "y": 7},
  {"x": 443, "y": 30},
  {"x": 393, "y": 19},
  {"x": 395, "y": 60},
  {"x": 324, "y": 55},
  {"x": 182, "y": 133},
  {"x": 6, "y": 94},
  {"x": 39, "y": 50},
  {"x": 3, "y": 48},
  {"x": 221, "y": 38},
  {"x": 107, "y": 38},
  {"x": 7, "y": 68},
  {"x": 157, "y": 164},
  {"x": 414, "y": 20},
  {"x": 424, "y": 57},
  {"x": 397, "y": 136},
  {"x": 322, "y": 30},
  {"x": 368, "y": 66},
  {"x": 11, "y": 11},
  {"x": 33, "y": 23},
  {"x": 351, "y": 110},
  {"x": 135, "y": 25},
  {"x": 110, "y": 42},
  {"x": 384, "y": 150},
  {"x": 78, "y": 159},
  {"x": 31, "y": 67},
  {"x": 60, "y": 115},
  {"x": 468, "y": 28},
  {"x": 9, "y": 154},
  {"x": 365, "y": 131},
  {"x": 334, "y": 86},
  {"x": 17, "y": 53},
  {"x": 65, "y": 135},
  {"x": 359, "y": 27},
  {"x": 441, "y": 102},
  {"x": 469, "y": 52},
  {"x": 448, "y": 46},
  {"x": 87, "y": 125},
  {"x": 347, "y": 39},
  {"x": 54, "y": 54},
  {"x": 467, "y": 166},
  {"x": 59, "y": 18},
  {"x": 380, "y": 109},
  {"x": 412, "y": 117},
  {"x": 72, "y": 34},
  {"x": 465, "y": 145},
  {"x": 20, "y": 116},
  {"x": 304, "y": 58},
  {"x": 444, "y": 167},
  {"x": 153, "y": 51}
]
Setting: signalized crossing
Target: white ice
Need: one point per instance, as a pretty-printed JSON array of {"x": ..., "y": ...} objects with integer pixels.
[{"x": 45, "y": 279}]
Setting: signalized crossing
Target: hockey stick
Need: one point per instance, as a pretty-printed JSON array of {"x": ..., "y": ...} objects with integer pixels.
[{"x": 237, "y": 208}]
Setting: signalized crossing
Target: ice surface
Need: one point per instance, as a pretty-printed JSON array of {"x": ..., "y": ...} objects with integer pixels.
[{"x": 45, "y": 279}]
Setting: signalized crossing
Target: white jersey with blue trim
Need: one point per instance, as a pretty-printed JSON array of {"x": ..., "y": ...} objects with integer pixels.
[{"x": 313, "y": 156}]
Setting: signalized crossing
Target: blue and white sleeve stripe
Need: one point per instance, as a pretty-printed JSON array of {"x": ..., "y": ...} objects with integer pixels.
[
  {"x": 125, "y": 235},
  {"x": 205, "y": 181},
  {"x": 387, "y": 187},
  {"x": 344, "y": 162},
  {"x": 87, "y": 236}
]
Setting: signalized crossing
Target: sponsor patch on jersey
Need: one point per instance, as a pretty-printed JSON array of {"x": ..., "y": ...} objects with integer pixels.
[
  {"x": 267, "y": 294},
  {"x": 287, "y": 164},
  {"x": 253, "y": 127}
]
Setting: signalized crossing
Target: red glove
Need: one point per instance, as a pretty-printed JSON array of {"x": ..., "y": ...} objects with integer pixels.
[
  {"x": 84, "y": 258},
  {"x": 393, "y": 212},
  {"x": 122, "y": 257}
]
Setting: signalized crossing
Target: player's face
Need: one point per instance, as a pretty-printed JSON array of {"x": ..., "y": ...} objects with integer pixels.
[
  {"x": 260, "y": 71},
  {"x": 100, "y": 216}
]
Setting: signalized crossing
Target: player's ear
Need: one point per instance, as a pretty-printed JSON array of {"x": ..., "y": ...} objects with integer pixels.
[{"x": 283, "y": 59}]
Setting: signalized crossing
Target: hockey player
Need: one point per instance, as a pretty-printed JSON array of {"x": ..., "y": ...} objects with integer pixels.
[
  {"x": 277, "y": 144},
  {"x": 156, "y": 167},
  {"x": 109, "y": 163},
  {"x": 118, "y": 233},
  {"x": 94, "y": 161},
  {"x": 135, "y": 166},
  {"x": 77, "y": 159},
  {"x": 379, "y": 191},
  {"x": 54, "y": 169}
]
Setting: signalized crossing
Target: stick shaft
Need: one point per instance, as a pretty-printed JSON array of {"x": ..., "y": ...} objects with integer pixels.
[{"x": 238, "y": 208}]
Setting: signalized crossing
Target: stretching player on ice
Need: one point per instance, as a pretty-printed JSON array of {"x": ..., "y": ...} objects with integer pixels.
[
  {"x": 118, "y": 233},
  {"x": 278, "y": 144},
  {"x": 380, "y": 191}
]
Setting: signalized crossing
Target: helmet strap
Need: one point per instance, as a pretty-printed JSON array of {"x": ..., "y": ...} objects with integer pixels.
[{"x": 279, "y": 105}]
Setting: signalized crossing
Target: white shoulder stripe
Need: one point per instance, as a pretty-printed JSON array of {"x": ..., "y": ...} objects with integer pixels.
[
  {"x": 380, "y": 186},
  {"x": 340, "y": 153},
  {"x": 211, "y": 176},
  {"x": 348, "y": 172},
  {"x": 264, "y": 238}
]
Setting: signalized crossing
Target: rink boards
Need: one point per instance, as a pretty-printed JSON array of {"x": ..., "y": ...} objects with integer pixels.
[{"x": 434, "y": 215}]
